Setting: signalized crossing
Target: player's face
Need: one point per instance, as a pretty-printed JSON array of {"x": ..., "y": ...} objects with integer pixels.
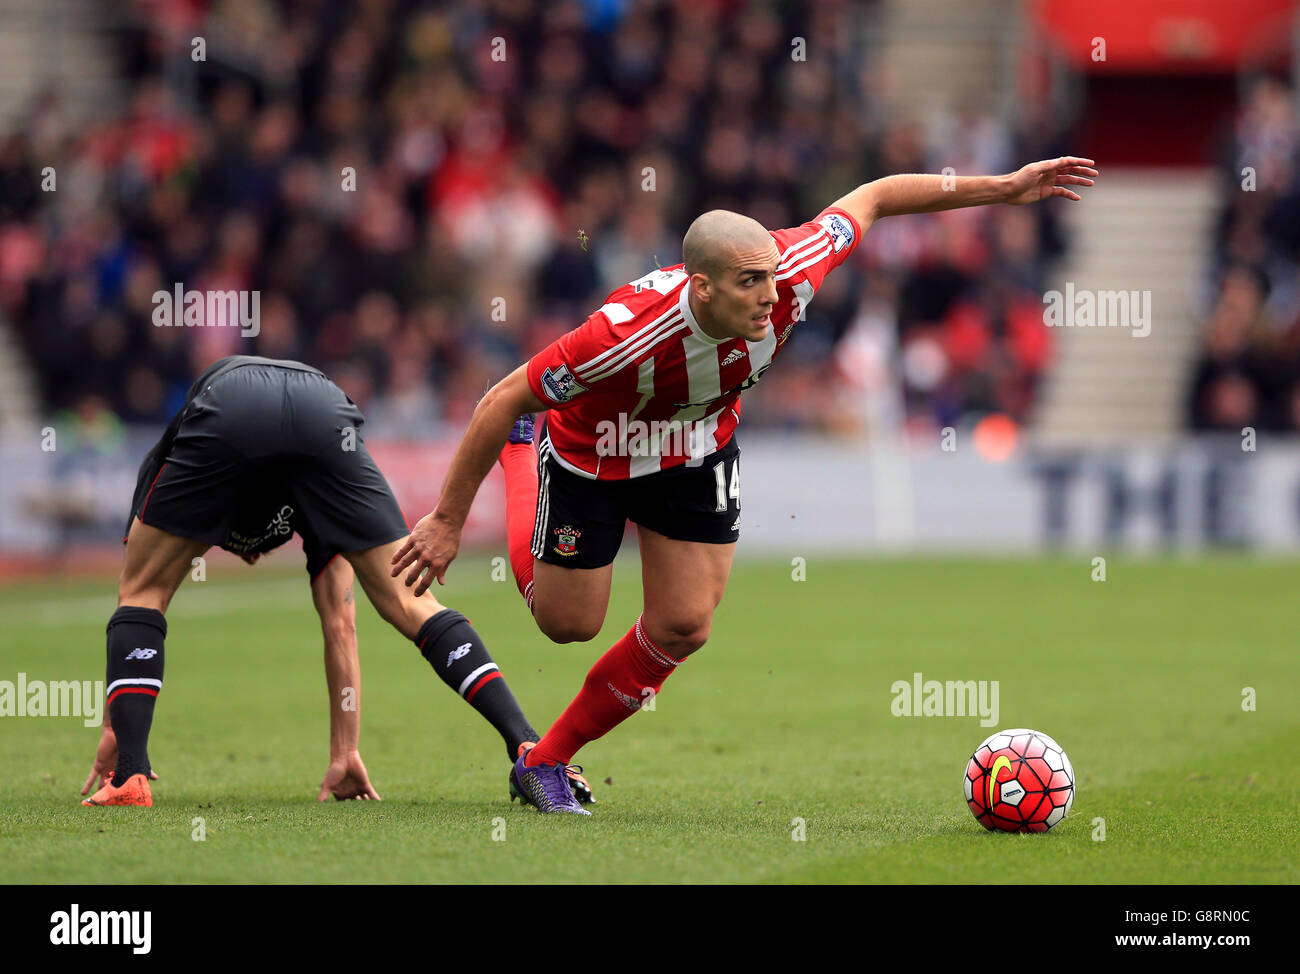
[{"x": 743, "y": 301}]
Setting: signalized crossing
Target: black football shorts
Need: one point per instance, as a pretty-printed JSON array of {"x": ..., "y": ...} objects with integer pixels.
[
  {"x": 262, "y": 451},
  {"x": 580, "y": 521}
]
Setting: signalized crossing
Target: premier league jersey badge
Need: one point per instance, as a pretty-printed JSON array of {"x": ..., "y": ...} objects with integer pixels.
[
  {"x": 560, "y": 385},
  {"x": 840, "y": 230}
]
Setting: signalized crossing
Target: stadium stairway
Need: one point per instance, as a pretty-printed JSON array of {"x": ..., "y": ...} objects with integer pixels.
[
  {"x": 940, "y": 55},
  {"x": 1138, "y": 229},
  {"x": 1144, "y": 230},
  {"x": 57, "y": 45},
  {"x": 64, "y": 47}
]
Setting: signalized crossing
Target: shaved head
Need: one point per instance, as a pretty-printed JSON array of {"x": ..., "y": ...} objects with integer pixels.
[
  {"x": 732, "y": 262},
  {"x": 718, "y": 236}
]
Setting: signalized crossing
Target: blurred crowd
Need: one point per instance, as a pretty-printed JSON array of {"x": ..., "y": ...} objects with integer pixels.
[
  {"x": 1248, "y": 373},
  {"x": 426, "y": 194}
]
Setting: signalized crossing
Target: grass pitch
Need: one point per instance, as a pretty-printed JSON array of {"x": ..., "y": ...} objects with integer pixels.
[{"x": 784, "y": 718}]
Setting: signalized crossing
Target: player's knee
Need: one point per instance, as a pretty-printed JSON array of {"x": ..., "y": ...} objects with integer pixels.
[
  {"x": 682, "y": 635},
  {"x": 568, "y": 630},
  {"x": 569, "y": 633}
]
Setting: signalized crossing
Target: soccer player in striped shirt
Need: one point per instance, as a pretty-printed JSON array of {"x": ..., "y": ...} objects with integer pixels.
[{"x": 643, "y": 400}]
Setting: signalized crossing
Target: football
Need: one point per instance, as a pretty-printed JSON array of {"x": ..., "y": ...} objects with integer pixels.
[{"x": 1019, "y": 781}]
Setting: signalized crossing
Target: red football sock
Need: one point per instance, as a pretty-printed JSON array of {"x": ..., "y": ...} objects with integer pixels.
[
  {"x": 519, "y": 461},
  {"x": 613, "y": 692}
]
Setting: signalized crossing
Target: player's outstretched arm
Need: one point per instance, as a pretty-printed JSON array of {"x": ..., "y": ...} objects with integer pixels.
[
  {"x": 331, "y": 593},
  {"x": 435, "y": 540},
  {"x": 920, "y": 193}
]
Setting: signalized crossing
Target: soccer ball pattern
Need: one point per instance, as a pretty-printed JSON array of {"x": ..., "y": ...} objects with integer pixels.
[{"x": 1019, "y": 781}]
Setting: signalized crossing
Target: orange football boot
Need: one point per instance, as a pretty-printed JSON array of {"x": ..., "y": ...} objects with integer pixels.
[{"x": 134, "y": 791}]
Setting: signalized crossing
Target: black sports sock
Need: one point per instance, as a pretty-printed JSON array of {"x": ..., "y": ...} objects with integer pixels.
[
  {"x": 134, "y": 677},
  {"x": 458, "y": 655}
]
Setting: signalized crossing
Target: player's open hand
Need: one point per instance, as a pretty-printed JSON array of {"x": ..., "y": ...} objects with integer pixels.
[
  {"x": 346, "y": 778},
  {"x": 105, "y": 762},
  {"x": 430, "y": 549},
  {"x": 1039, "y": 180}
]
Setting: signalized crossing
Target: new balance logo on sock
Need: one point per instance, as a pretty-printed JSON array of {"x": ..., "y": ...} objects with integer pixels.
[
  {"x": 735, "y": 356},
  {"x": 626, "y": 699},
  {"x": 139, "y": 653},
  {"x": 458, "y": 652}
]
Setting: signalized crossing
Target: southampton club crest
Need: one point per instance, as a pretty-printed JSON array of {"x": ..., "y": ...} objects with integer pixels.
[{"x": 566, "y": 540}]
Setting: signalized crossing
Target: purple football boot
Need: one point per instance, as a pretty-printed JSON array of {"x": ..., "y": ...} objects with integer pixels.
[
  {"x": 522, "y": 431},
  {"x": 545, "y": 787},
  {"x": 580, "y": 785}
]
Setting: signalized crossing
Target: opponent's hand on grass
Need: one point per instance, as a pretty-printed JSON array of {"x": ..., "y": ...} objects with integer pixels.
[
  {"x": 1039, "y": 180},
  {"x": 431, "y": 548},
  {"x": 105, "y": 762},
  {"x": 346, "y": 778}
]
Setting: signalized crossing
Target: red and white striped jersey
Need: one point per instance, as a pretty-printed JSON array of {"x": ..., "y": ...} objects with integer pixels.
[{"x": 639, "y": 387}]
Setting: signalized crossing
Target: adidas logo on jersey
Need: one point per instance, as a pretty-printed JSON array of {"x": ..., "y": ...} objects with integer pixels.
[
  {"x": 736, "y": 355},
  {"x": 138, "y": 653},
  {"x": 458, "y": 652}
]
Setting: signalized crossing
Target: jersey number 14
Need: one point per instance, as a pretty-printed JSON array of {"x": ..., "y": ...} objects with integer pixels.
[{"x": 725, "y": 490}]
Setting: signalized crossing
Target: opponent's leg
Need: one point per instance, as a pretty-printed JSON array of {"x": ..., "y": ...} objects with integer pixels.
[
  {"x": 156, "y": 563},
  {"x": 346, "y": 505},
  {"x": 447, "y": 640},
  {"x": 684, "y": 582},
  {"x": 154, "y": 566},
  {"x": 394, "y": 602}
]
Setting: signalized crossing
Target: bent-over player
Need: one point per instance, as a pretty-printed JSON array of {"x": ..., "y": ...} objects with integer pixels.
[{"x": 260, "y": 450}]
